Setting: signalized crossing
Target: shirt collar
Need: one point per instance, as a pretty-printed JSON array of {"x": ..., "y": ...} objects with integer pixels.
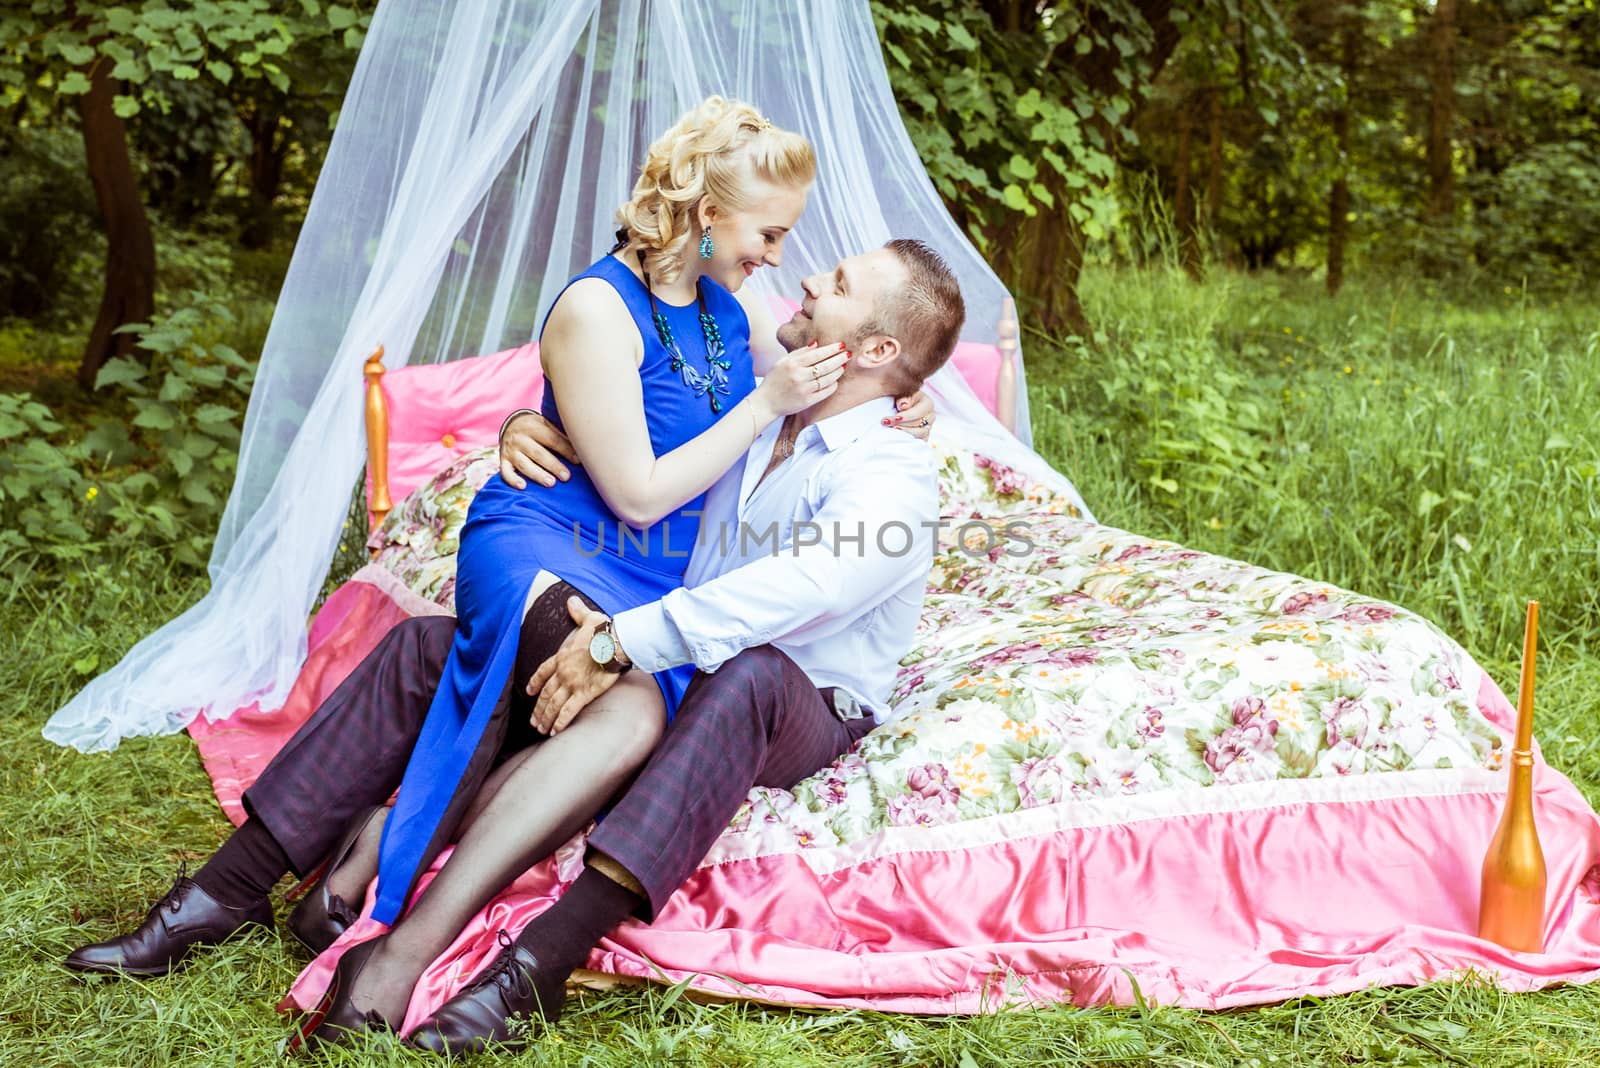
[{"x": 841, "y": 428}]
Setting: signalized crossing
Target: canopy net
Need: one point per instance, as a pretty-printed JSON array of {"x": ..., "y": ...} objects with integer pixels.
[{"x": 478, "y": 159}]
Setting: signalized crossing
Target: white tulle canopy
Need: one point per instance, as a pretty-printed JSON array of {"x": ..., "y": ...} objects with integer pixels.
[{"x": 481, "y": 151}]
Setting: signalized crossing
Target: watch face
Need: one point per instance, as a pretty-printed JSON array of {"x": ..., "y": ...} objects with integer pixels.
[{"x": 602, "y": 648}]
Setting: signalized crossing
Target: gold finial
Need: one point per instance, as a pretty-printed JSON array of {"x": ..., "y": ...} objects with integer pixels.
[{"x": 377, "y": 437}]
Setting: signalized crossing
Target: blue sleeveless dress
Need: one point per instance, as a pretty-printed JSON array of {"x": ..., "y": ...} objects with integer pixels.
[{"x": 567, "y": 530}]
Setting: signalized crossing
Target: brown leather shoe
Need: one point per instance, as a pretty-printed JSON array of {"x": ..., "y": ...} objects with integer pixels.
[
  {"x": 185, "y": 918},
  {"x": 513, "y": 986}
]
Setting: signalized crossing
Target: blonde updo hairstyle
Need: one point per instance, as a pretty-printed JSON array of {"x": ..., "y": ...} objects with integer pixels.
[{"x": 713, "y": 151}]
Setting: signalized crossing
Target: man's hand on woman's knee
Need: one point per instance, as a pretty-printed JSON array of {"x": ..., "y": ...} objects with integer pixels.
[
  {"x": 532, "y": 448},
  {"x": 569, "y": 680}
]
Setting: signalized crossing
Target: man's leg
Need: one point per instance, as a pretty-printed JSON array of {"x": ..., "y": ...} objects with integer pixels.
[
  {"x": 346, "y": 758},
  {"x": 757, "y": 721},
  {"x": 352, "y": 753}
]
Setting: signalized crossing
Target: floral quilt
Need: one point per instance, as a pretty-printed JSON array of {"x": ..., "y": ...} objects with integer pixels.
[{"x": 1063, "y": 660}]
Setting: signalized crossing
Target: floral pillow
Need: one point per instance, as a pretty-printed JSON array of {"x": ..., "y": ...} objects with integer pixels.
[
  {"x": 417, "y": 541},
  {"x": 972, "y": 486}
]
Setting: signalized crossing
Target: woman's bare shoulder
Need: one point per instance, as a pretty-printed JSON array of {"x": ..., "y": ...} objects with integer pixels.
[
  {"x": 593, "y": 314},
  {"x": 589, "y": 302}
]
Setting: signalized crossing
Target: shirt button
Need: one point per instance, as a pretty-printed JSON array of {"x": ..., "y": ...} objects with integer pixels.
[{"x": 661, "y": 663}]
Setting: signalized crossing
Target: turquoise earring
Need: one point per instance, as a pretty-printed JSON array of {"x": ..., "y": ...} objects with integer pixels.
[{"x": 706, "y": 245}]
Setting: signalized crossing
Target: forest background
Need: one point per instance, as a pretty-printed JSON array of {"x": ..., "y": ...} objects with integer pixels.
[{"x": 1307, "y": 284}]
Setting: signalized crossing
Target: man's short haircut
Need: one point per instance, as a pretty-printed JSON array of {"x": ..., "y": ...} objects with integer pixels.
[{"x": 925, "y": 314}]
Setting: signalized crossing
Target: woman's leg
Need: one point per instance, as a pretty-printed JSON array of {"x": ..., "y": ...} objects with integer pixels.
[
  {"x": 542, "y": 634},
  {"x": 545, "y": 795},
  {"x": 350, "y": 879}
]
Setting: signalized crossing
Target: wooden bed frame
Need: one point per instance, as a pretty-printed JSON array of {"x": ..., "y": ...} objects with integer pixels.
[{"x": 377, "y": 407}]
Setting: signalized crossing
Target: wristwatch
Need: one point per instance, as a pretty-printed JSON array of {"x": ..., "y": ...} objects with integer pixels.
[{"x": 606, "y": 651}]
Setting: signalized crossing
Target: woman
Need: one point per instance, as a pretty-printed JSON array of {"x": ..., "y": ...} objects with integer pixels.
[{"x": 715, "y": 199}]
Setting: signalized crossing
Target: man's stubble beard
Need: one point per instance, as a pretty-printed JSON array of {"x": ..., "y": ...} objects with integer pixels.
[{"x": 792, "y": 335}]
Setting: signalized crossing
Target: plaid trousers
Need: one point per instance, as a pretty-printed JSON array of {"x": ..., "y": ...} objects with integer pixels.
[{"x": 756, "y": 721}]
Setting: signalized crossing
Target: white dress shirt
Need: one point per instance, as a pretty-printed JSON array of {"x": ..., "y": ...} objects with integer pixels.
[{"x": 826, "y": 559}]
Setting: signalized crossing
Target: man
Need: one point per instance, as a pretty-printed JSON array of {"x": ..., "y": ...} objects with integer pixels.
[
  {"x": 836, "y": 464},
  {"x": 796, "y": 617}
]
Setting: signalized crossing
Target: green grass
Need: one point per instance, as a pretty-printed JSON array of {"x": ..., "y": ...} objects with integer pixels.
[{"x": 1469, "y": 422}]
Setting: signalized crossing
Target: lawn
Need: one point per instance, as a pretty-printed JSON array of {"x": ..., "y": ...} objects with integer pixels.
[{"x": 1435, "y": 452}]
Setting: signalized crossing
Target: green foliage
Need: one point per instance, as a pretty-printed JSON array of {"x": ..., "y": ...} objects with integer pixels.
[
  {"x": 1538, "y": 219},
  {"x": 48, "y": 220},
  {"x": 153, "y": 466},
  {"x": 1000, "y": 126},
  {"x": 1526, "y": 140},
  {"x": 53, "y": 43},
  {"x": 40, "y": 487},
  {"x": 229, "y": 106}
]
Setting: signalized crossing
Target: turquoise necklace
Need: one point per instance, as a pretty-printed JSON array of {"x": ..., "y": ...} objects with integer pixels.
[{"x": 714, "y": 380}]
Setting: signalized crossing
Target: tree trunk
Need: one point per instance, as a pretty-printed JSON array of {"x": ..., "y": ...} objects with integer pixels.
[
  {"x": 268, "y": 147},
  {"x": 1213, "y": 157},
  {"x": 1339, "y": 207},
  {"x": 130, "y": 285},
  {"x": 1008, "y": 15},
  {"x": 1055, "y": 257},
  {"x": 1486, "y": 160},
  {"x": 1013, "y": 16},
  {"x": 1183, "y": 207},
  {"x": 1339, "y": 196},
  {"x": 1442, "y": 112},
  {"x": 1045, "y": 264}
]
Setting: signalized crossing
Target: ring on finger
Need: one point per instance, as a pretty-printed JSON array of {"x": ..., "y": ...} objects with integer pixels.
[{"x": 923, "y": 423}]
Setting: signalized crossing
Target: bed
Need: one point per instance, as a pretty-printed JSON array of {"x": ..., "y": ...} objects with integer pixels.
[{"x": 1122, "y": 769}]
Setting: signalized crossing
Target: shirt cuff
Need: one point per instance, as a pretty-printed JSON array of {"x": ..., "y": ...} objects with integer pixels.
[{"x": 648, "y": 638}]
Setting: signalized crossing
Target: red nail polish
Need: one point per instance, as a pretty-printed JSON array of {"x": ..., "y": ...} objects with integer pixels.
[{"x": 886, "y": 422}]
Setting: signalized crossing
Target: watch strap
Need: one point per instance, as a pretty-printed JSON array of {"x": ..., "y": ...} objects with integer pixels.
[{"x": 619, "y": 661}]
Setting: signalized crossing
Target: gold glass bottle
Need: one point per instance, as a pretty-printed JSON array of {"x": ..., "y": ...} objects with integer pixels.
[{"x": 1511, "y": 906}]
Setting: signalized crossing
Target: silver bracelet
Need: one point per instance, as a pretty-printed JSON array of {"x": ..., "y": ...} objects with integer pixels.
[{"x": 513, "y": 415}]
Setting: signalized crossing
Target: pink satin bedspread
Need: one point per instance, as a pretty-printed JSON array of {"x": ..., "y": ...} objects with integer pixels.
[{"x": 1208, "y": 897}]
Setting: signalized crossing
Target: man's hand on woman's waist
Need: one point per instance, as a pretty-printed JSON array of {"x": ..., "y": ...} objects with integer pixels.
[{"x": 532, "y": 447}]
